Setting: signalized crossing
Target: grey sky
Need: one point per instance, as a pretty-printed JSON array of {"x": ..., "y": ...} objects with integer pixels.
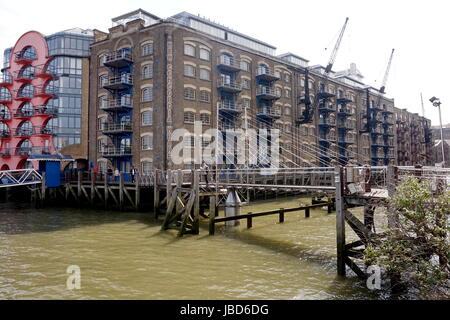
[{"x": 416, "y": 29}]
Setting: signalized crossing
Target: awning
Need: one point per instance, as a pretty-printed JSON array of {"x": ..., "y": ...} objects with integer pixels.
[{"x": 51, "y": 157}]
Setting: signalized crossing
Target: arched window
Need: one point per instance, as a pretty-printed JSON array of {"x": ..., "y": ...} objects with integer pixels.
[
  {"x": 28, "y": 53},
  {"x": 147, "y": 94},
  {"x": 103, "y": 80},
  {"x": 147, "y": 117},
  {"x": 146, "y": 167},
  {"x": 147, "y": 142},
  {"x": 24, "y": 148},
  {"x": 189, "y": 93},
  {"x": 147, "y": 49},
  {"x": 205, "y": 118},
  {"x": 25, "y": 129},
  {"x": 205, "y": 54},
  {"x": 4, "y": 130},
  {"x": 147, "y": 71},
  {"x": 26, "y": 72},
  {"x": 25, "y": 110},
  {"x": 4, "y": 112},
  {"x": 27, "y": 91},
  {"x": 245, "y": 65},
  {"x": 189, "y": 117},
  {"x": 189, "y": 70},
  {"x": 189, "y": 50}
]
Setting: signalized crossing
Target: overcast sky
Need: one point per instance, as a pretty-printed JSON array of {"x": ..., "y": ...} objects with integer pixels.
[{"x": 418, "y": 30}]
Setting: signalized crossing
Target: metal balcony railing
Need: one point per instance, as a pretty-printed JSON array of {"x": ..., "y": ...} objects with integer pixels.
[
  {"x": 23, "y": 132},
  {"x": 124, "y": 79},
  {"x": 347, "y": 124},
  {"x": 23, "y": 151},
  {"x": 327, "y": 137},
  {"x": 4, "y": 134},
  {"x": 327, "y": 122},
  {"x": 46, "y": 110},
  {"x": 229, "y": 106},
  {"x": 118, "y": 103},
  {"x": 116, "y": 127},
  {"x": 227, "y": 126},
  {"x": 46, "y": 130},
  {"x": 326, "y": 106},
  {"x": 24, "y": 113},
  {"x": 5, "y": 79},
  {"x": 267, "y": 92},
  {"x": 45, "y": 71},
  {"x": 112, "y": 151},
  {"x": 26, "y": 93},
  {"x": 267, "y": 74},
  {"x": 229, "y": 85},
  {"x": 46, "y": 90},
  {"x": 229, "y": 63},
  {"x": 269, "y": 111},
  {"x": 25, "y": 56},
  {"x": 118, "y": 58}
]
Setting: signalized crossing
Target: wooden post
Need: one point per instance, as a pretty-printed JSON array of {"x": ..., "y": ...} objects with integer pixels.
[
  {"x": 80, "y": 177},
  {"x": 156, "y": 195},
  {"x": 330, "y": 208},
  {"x": 92, "y": 189},
  {"x": 391, "y": 181},
  {"x": 137, "y": 194},
  {"x": 43, "y": 188},
  {"x": 340, "y": 221},
  {"x": 212, "y": 215},
  {"x": 307, "y": 212},
  {"x": 281, "y": 218},
  {"x": 249, "y": 221},
  {"x": 106, "y": 191},
  {"x": 121, "y": 186},
  {"x": 196, "y": 213}
]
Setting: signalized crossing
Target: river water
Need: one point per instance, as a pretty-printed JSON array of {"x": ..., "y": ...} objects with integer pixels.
[{"x": 126, "y": 256}]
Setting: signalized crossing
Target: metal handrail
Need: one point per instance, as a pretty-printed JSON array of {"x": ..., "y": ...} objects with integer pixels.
[
  {"x": 268, "y": 110},
  {"x": 124, "y": 78},
  {"x": 118, "y": 55},
  {"x": 229, "y": 61},
  {"x": 229, "y": 105},
  {"x": 116, "y": 126},
  {"x": 233, "y": 84}
]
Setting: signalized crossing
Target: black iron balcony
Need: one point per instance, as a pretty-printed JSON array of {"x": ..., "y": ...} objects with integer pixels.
[
  {"x": 347, "y": 140},
  {"x": 324, "y": 95},
  {"x": 377, "y": 131},
  {"x": 327, "y": 122},
  {"x": 228, "y": 63},
  {"x": 45, "y": 71},
  {"x": 378, "y": 143},
  {"x": 327, "y": 138},
  {"x": 24, "y": 113},
  {"x": 267, "y": 93},
  {"x": 114, "y": 152},
  {"x": 119, "y": 104},
  {"x": 266, "y": 74},
  {"x": 5, "y": 134},
  {"x": 227, "y": 126},
  {"x": 231, "y": 86},
  {"x": 119, "y": 82},
  {"x": 25, "y": 75},
  {"x": 46, "y": 110},
  {"x": 5, "y": 96},
  {"x": 343, "y": 100},
  {"x": 46, "y": 91},
  {"x": 344, "y": 111},
  {"x": 23, "y": 132},
  {"x": 326, "y": 107},
  {"x": 229, "y": 107},
  {"x": 118, "y": 59},
  {"x": 25, "y": 57},
  {"x": 116, "y": 128},
  {"x": 5, "y": 79},
  {"x": 346, "y": 125},
  {"x": 268, "y": 112},
  {"x": 45, "y": 130}
]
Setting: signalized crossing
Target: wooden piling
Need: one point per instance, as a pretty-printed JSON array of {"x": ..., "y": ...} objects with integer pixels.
[
  {"x": 281, "y": 217},
  {"x": 196, "y": 213},
  {"x": 249, "y": 221},
  {"x": 137, "y": 194},
  {"x": 212, "y": 215},
  {"x": 340, "y": 221},
  {"x": 307, "y": 212}
]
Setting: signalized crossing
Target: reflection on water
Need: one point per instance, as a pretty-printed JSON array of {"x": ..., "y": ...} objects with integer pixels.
[{"x": 125, "y": 256}]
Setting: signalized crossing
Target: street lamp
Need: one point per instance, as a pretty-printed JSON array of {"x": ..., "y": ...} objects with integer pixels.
[{"x": 437, "y": 103}]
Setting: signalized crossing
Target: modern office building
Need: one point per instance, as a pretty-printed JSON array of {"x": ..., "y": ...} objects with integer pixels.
[
  {"x": 151, "y": 76},
  {"x": 60, "y": 62}
]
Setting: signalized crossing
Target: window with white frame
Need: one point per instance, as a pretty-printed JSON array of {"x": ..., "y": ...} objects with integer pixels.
[
  {"x": 206, "y": 141},
  {"x": 189, "y": 70},
  {"x": 147, "y": 142},
  {"x": 246, "y": 103},
  {"x": 102, "y": 166},
  {"x": 287, "y": 111},
  {"x": 287, "y": 93},
  {"x": 278, "y": 92},
  {"x": 189, "y": 117},
  {"x": 205, "y": 54},
  {"x": 277, "y": 73},
  {"x": 147, "y": 94},
  {"x": 101, "y": 123},
  {"x": 147, "y": 117},
  {"x": 103, "y": 80},
  {"x": 288, "y": 128},
  {"x": 189, "y": 93},
  {"x": 189, "y": 50},
  {"x": 287, "y": 77},
  {"x": 246, "y": 83},
  {"x": 147, "y": 49},
  {"x": 205, "y": 96},
  {"x": 205, "y": 74},
  {"x": 101, "y": 145},
  {"x": 103, "y": 102},
  {"x": 146, "y": 167},
  {"x": 205, "y": 118},
  {"x": 245, "y": 66},
  {"x": 147, "y": 71}
]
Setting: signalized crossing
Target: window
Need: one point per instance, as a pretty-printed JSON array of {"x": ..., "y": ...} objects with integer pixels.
[
  {"x": 302, "y": 83},
  {"x": 277, "y": 74},
  {"x": 288, "y": 128},
  {"x": 245, "y": 83},
  {"x": 205, "y": 54},
  {"x": 245, "y": 66},
  {"x": 189, "y": 50},
  {"x": 147, "y": 71},
  {"x": 147, "y": 118},
  {"x": 102, "y": 60},
  {"x": 278, "y": 92},
  {"x": 103, "y": 80},
  {"x": 189, "y": 70},
  {"x": 287, "y": 77},
  {"x": 101, "y": 144},
  {"x": 205, "y": 74},
  {"x": 287, "y": 93},
  {"x": 147, "y": 142},
  {"x": 246, "y": 103},
  {"x": 287, "y": 111},
  {"x": 147, "y": 94},
  {"x": 101, "y": 122},
  {"x": 205, "y": 96},
  {"x": 189, "y": 117},
  {"x": 147, "y": 49},
  {"x": 189, "y": 93},
  {"x": 205, "y": 118},
  {"x": 147, "y": 167}
]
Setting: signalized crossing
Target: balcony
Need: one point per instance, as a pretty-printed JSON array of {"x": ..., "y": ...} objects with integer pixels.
[
  {"x": 326, "y": 107},
  {"x": 5, "y": 152},
  {"x": 227, "y": 63},
  {"x": 118, "y": 59},
  {"x": 45, "y": 130},
  {"x": 117, "y": 128},
  {"x": 268, "y": 112},
  {"x": 23, "y": 151},
  {"x": 231, "y": 86},
  {"x": 378, "y": 143},
  {"x": 344, "y": 111},
  {"x": 266, "y": 74},
  {"x": 5, "y": 134},
  {"x": 113, "y": 152},
  {"x": 389, "y": 132},
  {"x": 5, "y": 115},
  {"x": 26, "y": 75},
  {"x": 327, "y": 122},
  {"x": 343, "y": 100},
  {"x": 25, "y": 57},
  {"x": 346, "y": 125},
  {"x": 46, "y": 91},
  {"x": 119, "y": 82},
  {"x": 119, "y": 104},
  {"x": 24, "y": 114},
  {"x": 346, "y": 140},
  {"x": 267, "y": 93},
  {"x": 5, "y": 96},
  {"x": 5, "y": 79},
  {"x": 23, "y": 132},
  {"x": 229, "y": 107},
  {"x": 377, "y": 131},
  {"x": 227, "y": 126},
  {"x": 325, "y": 95},
  {"x": 25, "y": 94},
  {"x": 45, "y": 71},
  {"x": 44, "y": 110},
  {"x": 327, "y": 138}
]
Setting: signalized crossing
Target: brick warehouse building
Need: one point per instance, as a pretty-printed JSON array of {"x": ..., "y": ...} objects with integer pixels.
[{"x": 150, "y": 76}]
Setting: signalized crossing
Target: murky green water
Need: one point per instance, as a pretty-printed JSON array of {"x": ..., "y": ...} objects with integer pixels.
[{"x": 125, "y": 256}]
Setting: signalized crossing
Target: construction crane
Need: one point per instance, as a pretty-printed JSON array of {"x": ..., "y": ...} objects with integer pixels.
[
  {"x": 386, "y": 74},
  {"x": 307, "y": 114}
]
